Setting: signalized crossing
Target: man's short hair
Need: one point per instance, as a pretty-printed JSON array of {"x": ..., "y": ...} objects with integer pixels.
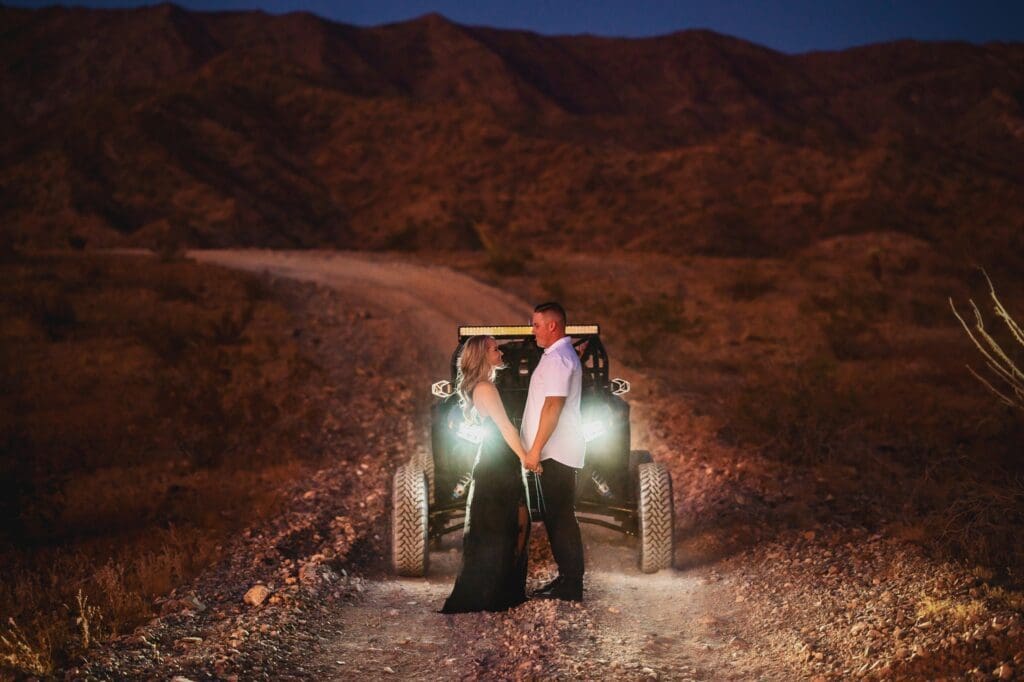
[{"x": 554, "y": 309}]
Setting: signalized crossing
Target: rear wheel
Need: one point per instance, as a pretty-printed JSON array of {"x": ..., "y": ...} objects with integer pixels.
[
  {"x": 656, "y": 517},
  {"x": 409, "y": 525},
  {"x": 425, "y": 460}
]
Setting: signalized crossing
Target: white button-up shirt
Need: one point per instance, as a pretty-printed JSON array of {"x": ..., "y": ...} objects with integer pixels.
[{"x": 559, "y": 373}]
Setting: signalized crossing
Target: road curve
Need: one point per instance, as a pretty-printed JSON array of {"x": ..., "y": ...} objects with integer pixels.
[{"x": 632, "y": 626}]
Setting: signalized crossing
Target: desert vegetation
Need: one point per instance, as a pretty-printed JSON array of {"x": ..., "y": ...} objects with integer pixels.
[
  {"x": 150, "y": 407},
  {"x": 844, "y": 361},
  {"x": 1001, "y": 362}
]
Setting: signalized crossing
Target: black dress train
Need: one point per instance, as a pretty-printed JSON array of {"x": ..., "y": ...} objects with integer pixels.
[{"x": 497, "y": 531}]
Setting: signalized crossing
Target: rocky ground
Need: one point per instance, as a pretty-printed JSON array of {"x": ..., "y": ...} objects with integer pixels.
[{"x": 306, "y": 595}]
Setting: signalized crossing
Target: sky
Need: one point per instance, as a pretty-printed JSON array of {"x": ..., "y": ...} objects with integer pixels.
[{"x": 791, "y": 26}]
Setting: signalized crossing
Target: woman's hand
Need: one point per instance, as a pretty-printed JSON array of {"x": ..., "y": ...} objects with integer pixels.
[{"x": 532, "y": 461}]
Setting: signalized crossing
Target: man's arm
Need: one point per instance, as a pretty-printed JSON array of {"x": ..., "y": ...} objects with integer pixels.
[{"x": 549, "y": 414}]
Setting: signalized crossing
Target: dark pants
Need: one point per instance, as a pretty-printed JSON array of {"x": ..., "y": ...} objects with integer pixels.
[{"x": 558, "y": 486}]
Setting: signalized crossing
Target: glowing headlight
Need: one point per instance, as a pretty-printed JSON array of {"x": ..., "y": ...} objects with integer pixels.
[
  {"x": 592, "y": 430},
  {"x": 471, "y": 433}
]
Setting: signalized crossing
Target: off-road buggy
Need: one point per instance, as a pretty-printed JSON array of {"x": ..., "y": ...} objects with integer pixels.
[{"x": 617, "y": 488}]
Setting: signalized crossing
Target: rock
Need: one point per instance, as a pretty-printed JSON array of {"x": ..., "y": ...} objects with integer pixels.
[
  {"x": 256, "y": 595},
  {"x": 180, "y": 678},
  {"x": 809, "y": 535},
  {"x": 613, "y": 609},
  {"x": 897, "y": 633},
  {"x": 1003, "y": 672}
]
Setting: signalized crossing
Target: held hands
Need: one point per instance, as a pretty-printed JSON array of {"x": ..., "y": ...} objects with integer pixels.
[{"x": 532, "y": 461}]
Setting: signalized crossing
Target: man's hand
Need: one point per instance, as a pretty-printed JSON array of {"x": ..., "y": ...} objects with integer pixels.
[{"x": 532, "y": 461}]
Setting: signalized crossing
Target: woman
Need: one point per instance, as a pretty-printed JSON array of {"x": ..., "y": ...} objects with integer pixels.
[{"x": 494, "y": 542}]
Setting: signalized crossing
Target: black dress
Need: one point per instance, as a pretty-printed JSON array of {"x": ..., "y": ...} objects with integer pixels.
[{"x": 497, "y": 531}]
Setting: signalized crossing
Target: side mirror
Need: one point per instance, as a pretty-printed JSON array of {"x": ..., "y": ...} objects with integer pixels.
[{"x": 442, "y": 389}]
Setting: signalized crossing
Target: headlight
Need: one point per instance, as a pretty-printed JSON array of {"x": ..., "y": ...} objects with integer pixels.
[
  {"x": 593, "y": 430},
  {"x": 470, "y": 432}
]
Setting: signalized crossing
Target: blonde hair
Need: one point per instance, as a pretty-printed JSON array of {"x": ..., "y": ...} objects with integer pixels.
[{"x": 473, "y": 368}]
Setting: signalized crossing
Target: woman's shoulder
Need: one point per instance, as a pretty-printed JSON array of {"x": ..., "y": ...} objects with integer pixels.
[
  {"x": 482, "y": 393},
  {"x": 485, "y": 388}
]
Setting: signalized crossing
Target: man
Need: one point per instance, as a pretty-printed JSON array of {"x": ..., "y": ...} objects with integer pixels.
[{"x": 552, "y": 432}]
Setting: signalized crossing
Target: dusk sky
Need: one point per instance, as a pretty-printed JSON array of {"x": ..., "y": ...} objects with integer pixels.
[{"x": 786, "y": 25}]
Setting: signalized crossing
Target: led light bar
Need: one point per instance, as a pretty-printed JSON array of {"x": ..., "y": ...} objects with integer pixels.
[{"x": 512, "y": 331}]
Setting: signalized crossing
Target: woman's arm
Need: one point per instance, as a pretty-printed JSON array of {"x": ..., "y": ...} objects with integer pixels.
[{"x": 486, "y": 396}]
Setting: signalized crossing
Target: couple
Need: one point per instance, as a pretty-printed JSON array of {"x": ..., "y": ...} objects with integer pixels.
[{"x": 497, "y": 529}]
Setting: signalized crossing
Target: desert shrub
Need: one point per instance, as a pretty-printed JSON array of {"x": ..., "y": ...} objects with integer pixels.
[
  {"x": 749, "y": 284},
  {"x": 230, "y": 326},
  {"x": 1002, "y": 356},
  {"x": 168, "y": 336},
  {"x": 850, "y": 315},
  {"x": 853, "y": 338},
  {"x": 259, "y": 287},
  {"x": 799, "y": 414},
  {"x": 52, "y": 311},
  {"x": 983, "y": 521},
  {"x": 170, "y": 289},
  {"x": 23, "y": 653},
  {"x": 648, "y": 320}
]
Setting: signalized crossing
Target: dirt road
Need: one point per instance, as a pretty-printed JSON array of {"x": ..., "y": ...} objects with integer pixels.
[{"x": 675, "y": 624}]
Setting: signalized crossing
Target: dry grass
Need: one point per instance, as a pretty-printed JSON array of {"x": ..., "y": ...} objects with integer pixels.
[
  {"x": 958, "y": 614},
  {"x": 149, "y": 411},
  {"x": 983, "y": 520}
]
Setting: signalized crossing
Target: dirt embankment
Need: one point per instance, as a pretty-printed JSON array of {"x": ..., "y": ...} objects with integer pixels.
[{"x": 823, "y": 597}]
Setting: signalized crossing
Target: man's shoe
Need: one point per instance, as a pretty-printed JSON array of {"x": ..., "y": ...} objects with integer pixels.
[
  {"x": 546, "y": 590},
  {"x": 566, "y": 590}
]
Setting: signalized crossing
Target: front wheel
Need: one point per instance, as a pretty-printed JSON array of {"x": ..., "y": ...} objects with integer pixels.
[
  {"x": 656, "y": 517},
  {"x": 409, "y": 521}
]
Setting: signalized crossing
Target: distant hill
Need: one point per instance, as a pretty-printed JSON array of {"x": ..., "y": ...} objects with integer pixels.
[{"x": 138, "y": 127}]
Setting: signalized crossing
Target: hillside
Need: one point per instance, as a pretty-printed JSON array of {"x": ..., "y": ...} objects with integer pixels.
[{"x": 156, "y": 125}]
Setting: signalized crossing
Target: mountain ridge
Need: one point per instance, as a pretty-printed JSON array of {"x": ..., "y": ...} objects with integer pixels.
[{"x": 131, "y": 127}]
